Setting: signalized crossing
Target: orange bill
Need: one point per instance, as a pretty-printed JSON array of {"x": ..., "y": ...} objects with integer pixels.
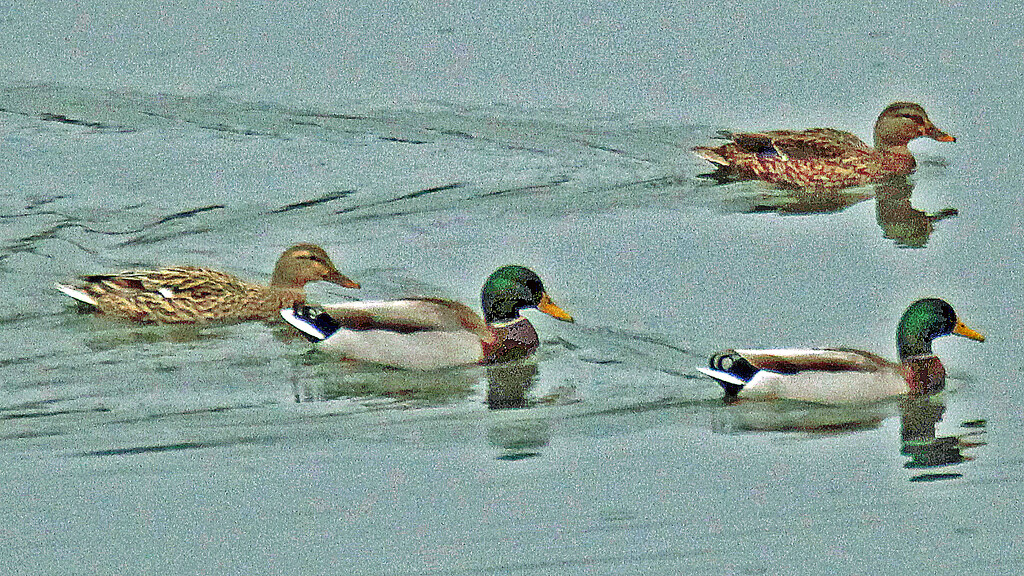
[
  {"x": 342, "y": 280},
  {"x": 936, "y": 134},
  {"x": 548, "y": 307},
  {"x": 962, "y": 330}
]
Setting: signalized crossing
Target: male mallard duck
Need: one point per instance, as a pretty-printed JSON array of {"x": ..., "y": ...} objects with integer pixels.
[
  {"x": 825, "y": 158},
  {"x": 187, "y": 294},
  {"x": 842, "y": 375},
  {"x": 431, "y": 333}
]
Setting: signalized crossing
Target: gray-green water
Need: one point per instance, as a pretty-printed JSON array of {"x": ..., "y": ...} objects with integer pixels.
[{"x": 425, "y": 146}]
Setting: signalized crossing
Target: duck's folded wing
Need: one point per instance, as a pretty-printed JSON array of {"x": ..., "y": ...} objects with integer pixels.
[
  {"x": 166, "y": 282},
  {"x": 816, "y": 143},
  {"x": 408, "y": 315},
  {"x": 793, "y": 360}
]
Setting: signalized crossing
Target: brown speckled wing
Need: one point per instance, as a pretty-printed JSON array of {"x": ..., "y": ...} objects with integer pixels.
[
  {"x": 178, "y": 295},
  {"x": 819, "y": 158},
  {"x": 820, "y": 143},
  {"x": 815, "y": 173}
]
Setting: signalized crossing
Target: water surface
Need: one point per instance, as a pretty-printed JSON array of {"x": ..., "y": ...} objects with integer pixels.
[{"x": 423, "y": 159}]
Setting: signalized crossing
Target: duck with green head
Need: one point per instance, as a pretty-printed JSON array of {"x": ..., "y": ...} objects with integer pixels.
[
  {"x": 843, "y": 375},
  {"x": 433, "y": 333}
]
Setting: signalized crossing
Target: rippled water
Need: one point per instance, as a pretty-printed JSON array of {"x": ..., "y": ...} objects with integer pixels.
[{"x": 128, "y": 450}]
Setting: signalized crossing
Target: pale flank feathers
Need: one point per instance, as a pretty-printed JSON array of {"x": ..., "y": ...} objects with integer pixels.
[
  {"x": 863, "y": 379},
  {"x": 413, "y": 334}
]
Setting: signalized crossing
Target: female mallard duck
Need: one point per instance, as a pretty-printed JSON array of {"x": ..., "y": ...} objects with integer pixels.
[
  {"x": 839, "y": 376},
  {"x": 825, "y": 158},
  {"x": 431, "y": 333},
  {"x": 185, "y": 294}
]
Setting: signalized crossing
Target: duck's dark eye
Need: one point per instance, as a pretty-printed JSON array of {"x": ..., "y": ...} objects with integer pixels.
[
  {"x": 307, "y": 256},
  {"x": 916, "y": 118}
]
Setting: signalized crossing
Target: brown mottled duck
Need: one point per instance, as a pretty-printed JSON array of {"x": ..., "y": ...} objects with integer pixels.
[
  {"x": 190, "y": 295},
  {"x": 824, "y": 158}
]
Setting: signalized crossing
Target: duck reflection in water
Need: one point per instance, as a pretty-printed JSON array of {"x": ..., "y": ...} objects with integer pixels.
[
  {"x": 805, "y": 417},
  {"x": 907, "y": 226},
  {"x": 508, "y": 383},
  {"x": 318, "y": 377},
  {"x": 919, "y": 416},
  {"x": 753, "y": 199},
  {"x": 929, "y": 454},
  {"x": 899, "y": 220},
  {"x": 507, "y": 387}
]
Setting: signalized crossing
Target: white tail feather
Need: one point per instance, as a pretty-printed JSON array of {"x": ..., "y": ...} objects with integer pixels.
[
  {"x": 711, "y": 156},
  {"x": 722, "y": 376},
  {"x": 76, "y": 294},
  {"x": 302, "y": 324}
]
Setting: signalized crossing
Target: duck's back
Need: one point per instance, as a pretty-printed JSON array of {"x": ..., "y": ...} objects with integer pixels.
[
  {"x": 409, "y": 314},
  {"x": 821, "y": 143}
]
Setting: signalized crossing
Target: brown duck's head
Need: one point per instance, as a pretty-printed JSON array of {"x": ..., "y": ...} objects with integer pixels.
[
  {"x": 304, "y": 263},
  {"x": 901, "y": 122}
]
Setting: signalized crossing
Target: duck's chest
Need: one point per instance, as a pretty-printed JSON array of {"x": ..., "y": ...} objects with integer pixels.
[
  {"x": 924, "y": 374},
  {"x": 895, "y": 163},
  {"x": 513, "y": 340}
]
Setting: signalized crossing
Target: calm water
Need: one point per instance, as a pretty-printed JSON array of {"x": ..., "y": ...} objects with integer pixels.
[{"x": 425, "y": 147}]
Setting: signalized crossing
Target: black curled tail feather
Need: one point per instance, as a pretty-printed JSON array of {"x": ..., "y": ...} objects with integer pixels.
[
  {"x": 317, "y": 318},
  {"x": 732, "y": 363},
  {"x": 721, "y": 175}
]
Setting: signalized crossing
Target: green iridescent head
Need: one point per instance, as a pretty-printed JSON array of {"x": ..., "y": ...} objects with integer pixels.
[
  {"x": 510, "y": 289},
  {"x": 926, "y": 320}
]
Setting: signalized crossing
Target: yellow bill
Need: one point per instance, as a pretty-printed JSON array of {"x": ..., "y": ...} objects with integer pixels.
[
  {"x": 548, "y": 307},
  {"x": 962, "y": 330}
]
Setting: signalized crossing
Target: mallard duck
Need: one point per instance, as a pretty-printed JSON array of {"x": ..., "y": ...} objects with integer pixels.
[
  {"x": 186, "y": 294},
  {"x": 432, "y": 333},
  {"x": 825, "y": 158},
  {"x": 842, "y": 375}
]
